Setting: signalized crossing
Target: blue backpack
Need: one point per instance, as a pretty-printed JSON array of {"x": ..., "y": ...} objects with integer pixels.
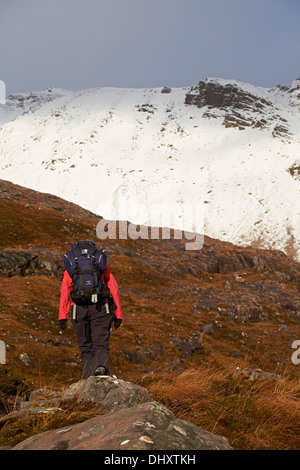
[{"x": 85, "y": 265}]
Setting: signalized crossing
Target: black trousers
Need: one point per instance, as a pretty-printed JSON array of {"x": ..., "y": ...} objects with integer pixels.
[{"x": 92, "y": 327}]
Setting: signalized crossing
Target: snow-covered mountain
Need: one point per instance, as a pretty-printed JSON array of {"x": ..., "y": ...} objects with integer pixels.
[{"x": 231, "y": 148}]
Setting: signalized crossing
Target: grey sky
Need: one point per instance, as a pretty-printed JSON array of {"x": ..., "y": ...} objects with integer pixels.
[{"x": 76, "y": 44}]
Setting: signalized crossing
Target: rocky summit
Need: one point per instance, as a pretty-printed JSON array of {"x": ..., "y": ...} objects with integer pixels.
[{"x": 239, "y": 107}]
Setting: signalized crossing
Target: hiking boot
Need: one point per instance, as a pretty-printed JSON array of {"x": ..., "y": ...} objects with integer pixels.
[{"x": 100, "y": 371}]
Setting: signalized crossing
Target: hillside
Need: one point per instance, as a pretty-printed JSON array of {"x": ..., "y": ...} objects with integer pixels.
[
  {"x": 228, "y": 148},
  {"x": 191, "y": 318}
]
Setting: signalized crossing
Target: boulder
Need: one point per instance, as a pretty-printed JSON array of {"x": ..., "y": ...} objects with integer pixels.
[
  {"x": 187, "y": 346},
  {"x": 248, "y": 309},
  {"x": 252, "y": 374},
  {"x": 129, "y": 419},
  {"x": 41, "y": 398},
  {"x": 147, "y": 426},
  {"x": 140, "y": 355},
  {"x": 110, "y": 392}
]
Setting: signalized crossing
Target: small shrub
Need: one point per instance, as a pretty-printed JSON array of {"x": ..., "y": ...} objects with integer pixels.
[{"x": 12, "y": 384}]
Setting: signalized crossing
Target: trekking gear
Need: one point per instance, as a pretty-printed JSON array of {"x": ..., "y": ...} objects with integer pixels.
[
  {"x": 117, "y": 322},
  {"x": 62, "y": 324},
  {"x": 111, "y": 287},
  {"x": 74, "y": 312},
  {"x": 85, "y": 265},
  {"x": 100, "y": 371},
  {"x": 92, "y": 330}
]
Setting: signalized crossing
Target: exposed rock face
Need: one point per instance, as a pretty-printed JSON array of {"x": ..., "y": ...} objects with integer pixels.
[
  {"x": 294, "y": 170},
  {"x": 111, "y": 393},
  {"x": 240, "y": 108},
  {"x": 142, "y": 354},
  {"x": 148, "y": 426},
  {"x": 187, "y": 346},
  {"x": 216, "y": 95},
  {"x": 227, "y": 264},
  {"x": 133, "y": 421},
  {"x": 18, "y": 263},
  {"x": 24, "y": 263}
]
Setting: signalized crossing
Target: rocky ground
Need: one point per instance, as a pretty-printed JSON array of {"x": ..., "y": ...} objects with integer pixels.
[
  {"x": 129, "y": 419},
  {"x": 217, "y": 307}
]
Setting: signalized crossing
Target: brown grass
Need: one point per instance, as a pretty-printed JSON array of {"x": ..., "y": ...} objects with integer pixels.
[
  {"x": 260, "y": 414},
  {"x": 30, "y": 424},
  {"x": 160, "y": 299}
]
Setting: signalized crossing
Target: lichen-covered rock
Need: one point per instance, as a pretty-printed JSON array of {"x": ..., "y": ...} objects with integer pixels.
[
  {"x": 110, "y": 392},
  {"x": 147, "y": 426}
]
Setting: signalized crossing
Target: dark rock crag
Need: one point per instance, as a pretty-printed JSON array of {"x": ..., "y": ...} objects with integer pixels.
[{"x": 239, "y": 108}]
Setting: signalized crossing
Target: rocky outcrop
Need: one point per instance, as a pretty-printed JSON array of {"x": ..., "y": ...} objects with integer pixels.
[
  {"x": 239, "y": 107},
  {"x": 148, "y": 426},
  {"x": 42, "y": 261},
  {"x": 294, "y": 170},
  {"x": 225, "y": 264},
  {"x": 110, "y": 393},
  {"x": 253, "y": 374},
  {"x": 132, "y": 421},
  {"x": 187, "y": 346},
  {"x": 19, "y": 263},
  {"x": 247, "y": 309},
  {"x": 216, "y": 95},
  {"x": 140, "y": 355},
  {"x": 25, "y": 263}
]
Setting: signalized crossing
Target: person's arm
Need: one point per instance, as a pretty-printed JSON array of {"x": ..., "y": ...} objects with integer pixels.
[
  {"x": 64, "y": 304},
  {"x": 114, "y": 290}
]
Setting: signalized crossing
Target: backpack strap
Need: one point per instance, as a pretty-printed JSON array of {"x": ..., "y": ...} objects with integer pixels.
[
  {"x": 79, "y": 274},
  {"x": 95, "y": 275}
]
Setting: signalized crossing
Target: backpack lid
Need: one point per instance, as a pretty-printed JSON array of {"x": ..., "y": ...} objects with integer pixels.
[
  {"x": 83, "y": 248},
  {"x": 81, "y": 252}
]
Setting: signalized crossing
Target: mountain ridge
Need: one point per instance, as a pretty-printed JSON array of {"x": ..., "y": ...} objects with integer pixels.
[{"x": 235, "y": 157}]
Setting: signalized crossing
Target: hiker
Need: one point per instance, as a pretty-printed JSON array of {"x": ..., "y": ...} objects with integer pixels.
[{"x": 91, "y": 289}]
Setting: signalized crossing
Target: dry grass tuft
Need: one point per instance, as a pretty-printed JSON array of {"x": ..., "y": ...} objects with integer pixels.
[{"x": 259, "y": 414}]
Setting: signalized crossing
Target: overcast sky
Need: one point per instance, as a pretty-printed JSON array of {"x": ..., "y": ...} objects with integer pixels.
[{"x": 77, "y": 44}]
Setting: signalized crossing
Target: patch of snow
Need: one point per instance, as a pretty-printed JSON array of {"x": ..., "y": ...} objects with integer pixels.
[{"x": 108, "y": 149}]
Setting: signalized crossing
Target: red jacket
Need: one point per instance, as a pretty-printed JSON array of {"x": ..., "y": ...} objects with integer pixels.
[{"x": 66, "y": 287}]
